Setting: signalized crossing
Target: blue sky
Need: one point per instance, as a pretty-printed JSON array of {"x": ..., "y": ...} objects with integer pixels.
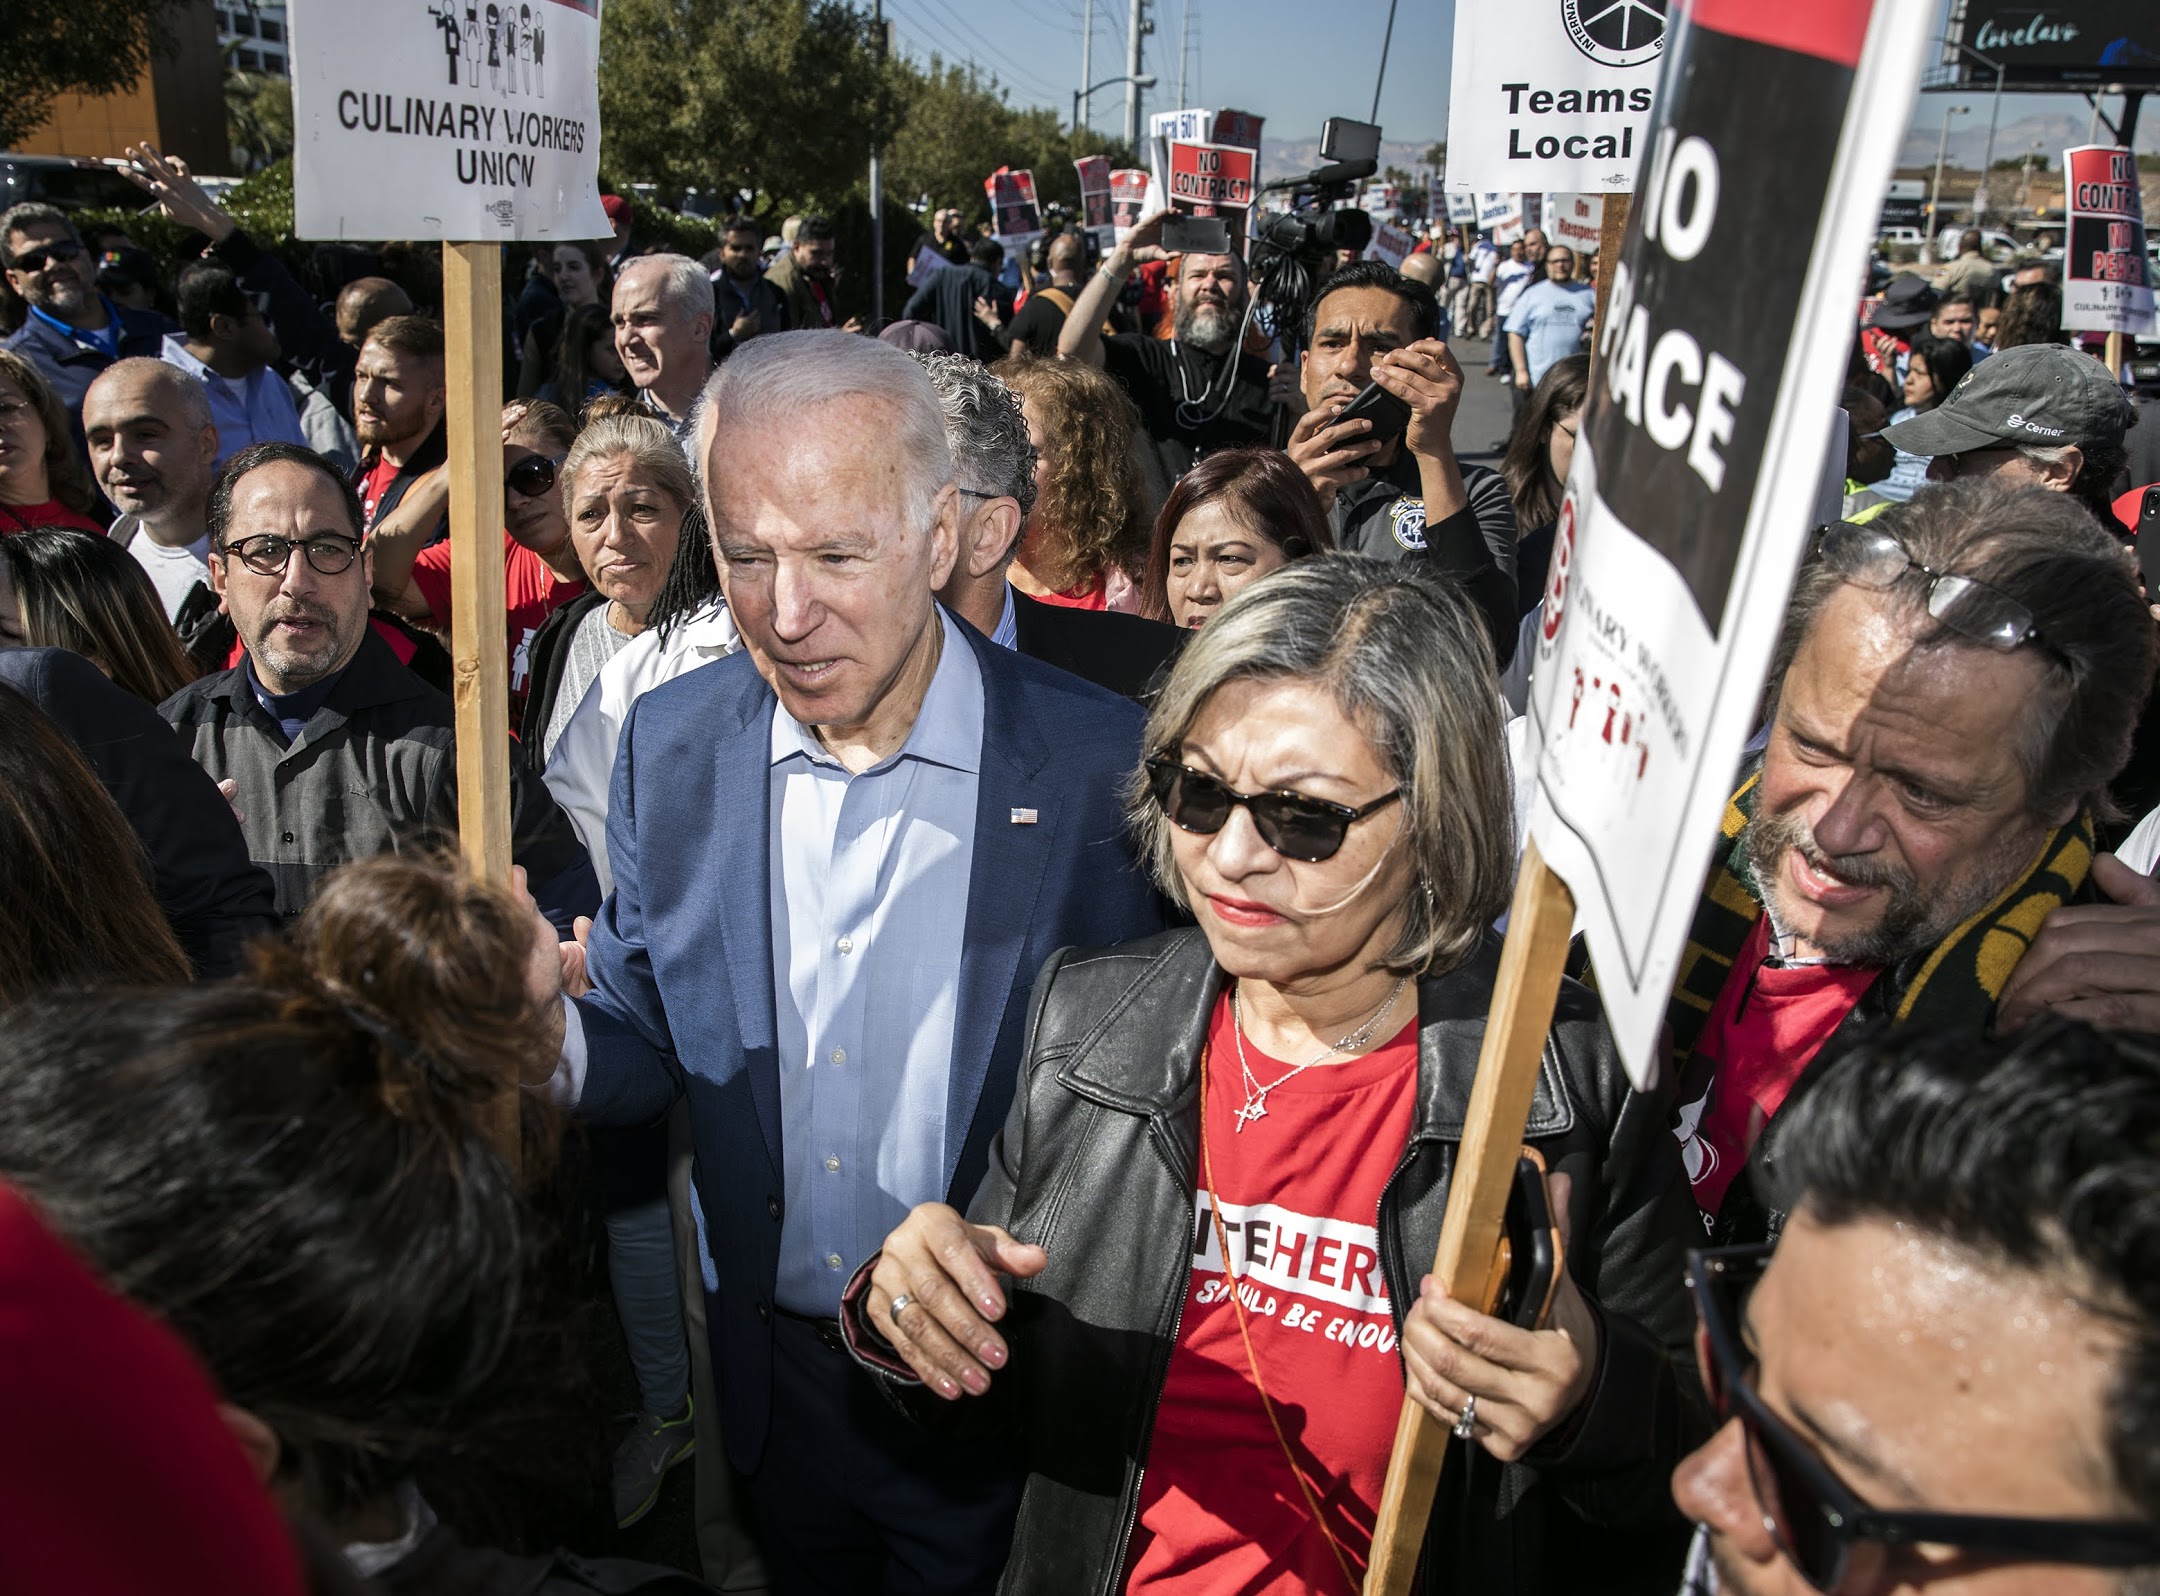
[{"x": 1296, "y": 64}]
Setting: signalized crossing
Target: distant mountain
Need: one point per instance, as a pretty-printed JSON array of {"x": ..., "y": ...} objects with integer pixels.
[{"x": 2052, "y": 132}]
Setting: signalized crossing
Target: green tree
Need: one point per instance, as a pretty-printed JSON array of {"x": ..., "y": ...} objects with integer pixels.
[
  {"x": 956, "y": 129},
  {"x": 53, "y": 47},
  {"x": 258, "y": 118}
]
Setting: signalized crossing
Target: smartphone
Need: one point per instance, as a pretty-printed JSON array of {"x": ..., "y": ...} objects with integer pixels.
[
  {"x": 1195, "y": 235},
  {"x": 1531, "y": 1247},
  {"x": 1389, "y": 415},
  {"x": 2148, "y": 542}
]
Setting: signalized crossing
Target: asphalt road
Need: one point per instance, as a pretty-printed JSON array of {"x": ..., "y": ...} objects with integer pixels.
[{"x": 1487, "y": 411}]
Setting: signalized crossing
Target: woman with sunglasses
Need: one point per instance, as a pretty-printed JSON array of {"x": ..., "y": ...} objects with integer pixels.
[
  {"x": 540, "y": 566},
  {"x": 1229, "y": 1157},
  {"x": 42, "y": 481}
]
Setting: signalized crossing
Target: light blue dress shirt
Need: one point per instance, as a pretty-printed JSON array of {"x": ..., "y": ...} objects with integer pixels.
[
  {"x": 870, "y": 889},
  {"x": 1551, "y": 317},
  {"x": 1007, "y": 634},
  {"x": 257, "y": 409}
]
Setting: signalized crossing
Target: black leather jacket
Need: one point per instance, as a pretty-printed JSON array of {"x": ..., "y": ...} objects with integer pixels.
[{"x": 1096, "y": 1163}]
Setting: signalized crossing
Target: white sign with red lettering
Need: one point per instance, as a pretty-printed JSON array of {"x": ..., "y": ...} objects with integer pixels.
[
  {"x": 2107, "y": 277},
  {"x": 1391, "y": 243},
  {"x": 1574, "y": 220}
]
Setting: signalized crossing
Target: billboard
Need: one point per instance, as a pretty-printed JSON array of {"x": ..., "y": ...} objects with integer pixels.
[{"x": 2081, "y": 43}]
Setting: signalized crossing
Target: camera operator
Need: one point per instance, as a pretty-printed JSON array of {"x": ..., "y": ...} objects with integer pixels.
[
  {"x": 1196, "y": 393},
  {"x": 1402, "y": 497}
]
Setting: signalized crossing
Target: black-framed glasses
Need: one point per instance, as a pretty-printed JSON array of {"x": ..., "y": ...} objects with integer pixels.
[
  {"x": 1836, "y": 1542},
  {"x": 1971, "y": 608},
  {"x": 532, "y": 476},
  {"x": 1295, "y": 826},
  {"x": 41, "y": 256},
  {"x": 267, "y": 554}
]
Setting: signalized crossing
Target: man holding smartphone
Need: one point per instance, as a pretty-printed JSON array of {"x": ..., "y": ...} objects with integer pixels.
[
  {"x": 1197, "y": 392},
  {"x": 1376, "y": 440}
]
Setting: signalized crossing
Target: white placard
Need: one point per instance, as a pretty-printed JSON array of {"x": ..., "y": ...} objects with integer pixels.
[
  {"x": 1391, "y": 243},
  {"x": 446, "y": 119},
  {"x": 1500, "y": 215},
  {"x": 2107, "y": 276},
  {"x": 1696, "y": 470},
  {"x": 1574, "y": 220},
  {"x": 1554, "y": 94},
  {"x": 1462, "y": 207}
]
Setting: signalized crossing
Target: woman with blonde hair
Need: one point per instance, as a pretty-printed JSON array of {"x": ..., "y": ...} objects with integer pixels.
[
  {"x": 1085, "y": 541},
  {"x": 42, "y": 480}
]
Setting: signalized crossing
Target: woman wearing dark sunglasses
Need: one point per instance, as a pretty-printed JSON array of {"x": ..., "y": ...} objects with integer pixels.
[{"x": 1224, "y": 1176}]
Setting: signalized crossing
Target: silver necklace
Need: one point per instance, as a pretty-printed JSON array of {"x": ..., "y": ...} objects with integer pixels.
[{"x": 1256, "y": 1093}]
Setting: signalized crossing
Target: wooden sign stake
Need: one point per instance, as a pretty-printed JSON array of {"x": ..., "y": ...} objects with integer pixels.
[
  {"x": 480, "y": 671},
  {"x": 1531, "y": 963},
  {"x": 2114, "y": 356}
]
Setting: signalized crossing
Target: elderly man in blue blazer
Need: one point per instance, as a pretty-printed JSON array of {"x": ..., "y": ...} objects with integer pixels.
[{"x": 840, "y": 858}]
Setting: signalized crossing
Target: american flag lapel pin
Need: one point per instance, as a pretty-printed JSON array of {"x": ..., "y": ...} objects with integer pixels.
[{"x": 1023, "y": 817}]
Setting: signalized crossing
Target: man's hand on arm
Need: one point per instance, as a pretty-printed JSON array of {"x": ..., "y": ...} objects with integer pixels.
[
  {"x": 1425, "y": 376},
  {"x": 1081, "y": 337},
  {"x": 2097, "y": 962}
]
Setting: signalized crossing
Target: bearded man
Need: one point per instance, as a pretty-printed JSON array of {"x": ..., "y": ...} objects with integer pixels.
[
  {"x": 1954, "y": 690},
  {"x": 399, "y": 399},
  {"x": 1197, "y": 392}
]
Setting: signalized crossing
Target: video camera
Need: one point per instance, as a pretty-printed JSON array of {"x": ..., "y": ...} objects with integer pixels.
[{"x": 1293, "y": 250}]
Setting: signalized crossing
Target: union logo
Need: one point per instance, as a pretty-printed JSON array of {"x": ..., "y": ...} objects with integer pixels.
[{"x": 1616, "y": 33}]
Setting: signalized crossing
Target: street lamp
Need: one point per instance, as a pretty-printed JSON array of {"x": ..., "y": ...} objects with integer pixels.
[
  {"x": 1942, "y": 146},
  {"x": 1087, "y": 95},
  {"x": 1987, "y": 162}
]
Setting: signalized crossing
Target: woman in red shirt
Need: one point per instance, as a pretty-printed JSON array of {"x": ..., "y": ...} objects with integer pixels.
[
  {"x": 42, "y": 483},
  {"x": 1229, "y": 1154},
  {"x": 1085, "y": 540}
]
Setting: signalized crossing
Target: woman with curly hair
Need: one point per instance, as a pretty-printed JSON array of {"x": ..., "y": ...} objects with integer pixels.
[{"x": 1086, "y": 538}]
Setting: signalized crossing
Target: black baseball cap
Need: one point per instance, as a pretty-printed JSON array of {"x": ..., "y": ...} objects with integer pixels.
[
  {"x": 1908, "y": 302},
  {"x": 2040, "y": 395}
]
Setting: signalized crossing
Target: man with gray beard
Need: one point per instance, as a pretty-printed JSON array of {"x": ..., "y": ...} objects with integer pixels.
[
  {"x": 1954, "y": 690},
  {"x": 1196, "y": 392}
]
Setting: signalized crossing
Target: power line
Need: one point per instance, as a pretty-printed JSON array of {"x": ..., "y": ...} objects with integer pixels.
[
  {"x": 939, "y": 35},
  {"x": 1022, "y": 76}
]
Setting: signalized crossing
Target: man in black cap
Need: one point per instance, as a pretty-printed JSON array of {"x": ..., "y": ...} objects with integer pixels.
[
  {"x": 1906, "y": 306},
  {"x": 2039, "y": 414}
]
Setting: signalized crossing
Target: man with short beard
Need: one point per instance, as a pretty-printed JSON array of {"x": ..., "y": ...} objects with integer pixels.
[
  {"x": 399, "y": 399},
  {"x": 71, "y": 332},
  {"x": 1196, "y": 393},
  {"x": 746, "y": 304},
  {"x": 1955, "y": 689}
]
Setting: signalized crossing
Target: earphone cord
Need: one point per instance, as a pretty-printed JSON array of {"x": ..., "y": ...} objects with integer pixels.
[
  {"x": 1188, "y": 410},
  {"x": 1252, "y": 1360}
]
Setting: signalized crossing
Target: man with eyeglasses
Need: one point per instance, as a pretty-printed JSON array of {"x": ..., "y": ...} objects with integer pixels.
[
  {"x": 336, "y": 751},
  {"x": 1943, "y": 1379},
  {"x": 1954, "y": 691},
  {"x": 72, "y": 332}
]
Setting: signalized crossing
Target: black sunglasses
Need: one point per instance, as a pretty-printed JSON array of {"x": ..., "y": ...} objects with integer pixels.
[
  {"x": 267, "y": 554},
  {"x": 1970, "y": 608},
  {"x": 531, "y": 476},
  {"x": 1295, "y": 826},
  {"x": 36, "y": 260},
  {"x": 1838, "y": 1543}
]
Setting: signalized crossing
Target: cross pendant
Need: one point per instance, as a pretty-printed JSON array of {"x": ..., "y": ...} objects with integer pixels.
[{"x": 1256, "y": 1109}]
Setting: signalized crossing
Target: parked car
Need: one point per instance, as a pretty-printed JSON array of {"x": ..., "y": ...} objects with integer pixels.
[{"x": 71, "y": 182}]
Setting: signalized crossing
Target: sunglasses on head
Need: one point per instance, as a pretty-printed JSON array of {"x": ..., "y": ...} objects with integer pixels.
[
  {"x": 531, "y": 476},
  {"x": 1836, "y": 1542},
  {"x": 36, "y": 260},
  {"x": 1295, "y": 826},
  {"x": 1971, "y": 608}
]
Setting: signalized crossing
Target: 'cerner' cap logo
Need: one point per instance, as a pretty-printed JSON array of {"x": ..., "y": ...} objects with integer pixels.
[
  {"x": 2033, "y": 426},
  {"x": 1616, "y": 33}
]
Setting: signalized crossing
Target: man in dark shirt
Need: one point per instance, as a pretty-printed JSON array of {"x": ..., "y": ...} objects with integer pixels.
[
  {"x": 1198, "y": 392},
  {"x": 745, "y": 305},
  {"x": 1407, "y": 497},
  {"x": 1042, "y": 318},
  {"x": 949, "y": 299},
  {"x": 336, "y": 750}
]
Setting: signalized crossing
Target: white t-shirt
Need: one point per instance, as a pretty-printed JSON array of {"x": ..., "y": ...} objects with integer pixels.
[
  {"x": 1511, "y": 279},
  {"x": 173, "y": 571}
]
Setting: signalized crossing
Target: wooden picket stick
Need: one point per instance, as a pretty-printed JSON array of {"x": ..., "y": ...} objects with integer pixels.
[
  {"x": 1531, "y": 963},
  {"x": 480, "y": 669},
  {"x": 2114, "y": 355}
]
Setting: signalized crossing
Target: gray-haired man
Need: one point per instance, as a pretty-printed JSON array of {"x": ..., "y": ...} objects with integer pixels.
[{"x": 663, "y": 315}]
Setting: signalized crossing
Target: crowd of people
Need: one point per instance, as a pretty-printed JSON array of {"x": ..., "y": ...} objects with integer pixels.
[{"x": 1012, "y": 814}]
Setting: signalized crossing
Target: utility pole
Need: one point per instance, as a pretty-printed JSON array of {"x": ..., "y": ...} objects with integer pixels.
[
  {"x": 1138, "y": 28},
  {"x": 1087, "y": 65},
  {"x": 1184, "y": 48},
  {"x": 877, "y": 183},
  {"x": 1929, "y": 253}
]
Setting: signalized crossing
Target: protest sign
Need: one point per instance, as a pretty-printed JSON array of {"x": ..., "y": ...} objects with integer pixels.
[
  {"x": 1095, "y": 215},
  {"x": 928, "y": 260},
  {"x": 1687, "y": 509},
  {"x": 1553, "y": 95},
  {"x": 422, "y": 119},
  {"x": 1500, "y": 215},
  {"x": 1015, "y": 217},
  {"x": 1212, "y": 180},
  {"x": 1574, "y": 220},
  {"x": 1390, "y": 243},
  {"x": 2107, "y": 278},
  {"x": 1130, "y": 193},
  {"x": 1462, "y": 208}
]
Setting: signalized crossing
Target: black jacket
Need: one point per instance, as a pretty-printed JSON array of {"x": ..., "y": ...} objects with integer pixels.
[
  {"x": 1097, "y": 1163},
  {"x": 1125, "y": 653},
  {"x": 545, "y": 661},
  {"x": 213, "y": 895},
  {"x": 948, "y": 299},
  {"x": 373, "y": 771}
]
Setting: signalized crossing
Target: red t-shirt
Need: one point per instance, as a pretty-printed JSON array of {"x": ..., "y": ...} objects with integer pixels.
[
  {"x": 1094, "y": 597},
  {"x": 531, "y": 592},
  {"x": 1220, "y": 1510},
  {"x": 373, "y": 483},
  {"x": 30, "y": 517},
  {"x": 1766, "y": 1027}
]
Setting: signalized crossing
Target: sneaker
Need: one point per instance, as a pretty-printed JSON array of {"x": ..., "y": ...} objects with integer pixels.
[{"x": 653, "y": 1446}]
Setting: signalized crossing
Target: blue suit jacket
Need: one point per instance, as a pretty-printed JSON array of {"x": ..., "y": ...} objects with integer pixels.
[{"x": 681, "y": 958}]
